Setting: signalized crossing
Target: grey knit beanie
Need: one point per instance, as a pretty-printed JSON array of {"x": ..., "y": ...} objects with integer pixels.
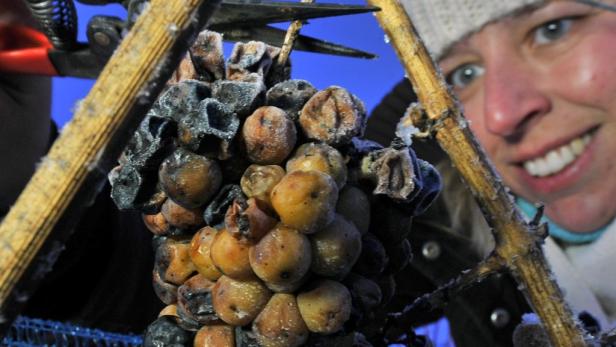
[{"x": 441, "y": 23}]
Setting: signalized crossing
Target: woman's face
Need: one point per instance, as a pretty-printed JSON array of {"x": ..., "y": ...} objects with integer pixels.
[{"x": 540, "y": 92}]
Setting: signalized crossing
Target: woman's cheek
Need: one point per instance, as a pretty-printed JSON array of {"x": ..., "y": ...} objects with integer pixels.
[{"x": 589, "y": 76}]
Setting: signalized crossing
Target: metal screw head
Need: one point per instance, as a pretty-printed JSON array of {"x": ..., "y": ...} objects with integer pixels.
[
  {"x": 431, "y": 250},
  {"x": 101, "y": 38},
  {"x": 500, "y": 317}
]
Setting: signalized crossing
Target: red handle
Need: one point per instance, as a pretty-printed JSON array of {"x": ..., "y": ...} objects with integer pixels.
[{"x": 25, "y": 50}]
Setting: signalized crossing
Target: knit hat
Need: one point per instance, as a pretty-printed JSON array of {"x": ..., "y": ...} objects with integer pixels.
[{"x": 441, "y": 23}]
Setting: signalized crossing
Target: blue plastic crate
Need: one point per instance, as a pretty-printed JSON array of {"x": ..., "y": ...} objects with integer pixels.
[{"x": 38, "y": 332}]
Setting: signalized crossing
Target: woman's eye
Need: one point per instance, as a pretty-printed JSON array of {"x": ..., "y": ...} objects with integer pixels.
[
  {"x": 552, "y": 30},
  {"x": 464, "y": 75}
]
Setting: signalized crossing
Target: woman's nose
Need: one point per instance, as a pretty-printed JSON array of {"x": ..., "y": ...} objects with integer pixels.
[{"x": 513, "y": 96}]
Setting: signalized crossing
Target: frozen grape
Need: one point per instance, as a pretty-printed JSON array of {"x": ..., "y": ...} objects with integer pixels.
[
  {"x": 326, "y": 307},
  {"x": 209, "y": 130},
  {"x": 173, "y": 261},
  {"x": 182, "y": 217},
  {"x": 281, "y": 258},
  {"x": 247, "y": 219},
  {"x": 335, "y": 249},
  {"x": 333, "y": 116},
  {"x": 259, "y": 180},
  {"x": 269, "y": 136},
  {"x": 189, "y": 179},
  {"x": 230, "y": 256},
  {"x": 218, "y": 335},
  {"x": 195, "y": 300},
  {"x": 242, "y": 97},
  {"x": 181, "y": 99},
  {"x": 239, "y": 302},
  {"x": 200, "y": 253},
  {"x": 319, "y": 157},
  {"x": 305, "y": 200},
  {"x": 207, "y": 56},
  {"x": 373, "y": 258},
  {"x": 290, "y": 95},
  {"x": 217, "y": 209},
  {"x": 280, "y": 324},
  {"x": 354, "y": 205},
  {"x": 165, "y": 331}
]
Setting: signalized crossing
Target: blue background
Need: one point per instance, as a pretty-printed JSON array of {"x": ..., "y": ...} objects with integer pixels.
[{"x": 370, "y": 80}]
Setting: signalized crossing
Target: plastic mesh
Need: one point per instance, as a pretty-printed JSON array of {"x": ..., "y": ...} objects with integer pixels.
[{"x": 37, "y": 332}]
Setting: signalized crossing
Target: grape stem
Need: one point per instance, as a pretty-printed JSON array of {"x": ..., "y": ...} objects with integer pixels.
[{"x": 289, "y": 39}]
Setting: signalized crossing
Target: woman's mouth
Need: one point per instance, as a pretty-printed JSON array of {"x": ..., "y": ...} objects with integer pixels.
[{"x": 559, "y": 158}]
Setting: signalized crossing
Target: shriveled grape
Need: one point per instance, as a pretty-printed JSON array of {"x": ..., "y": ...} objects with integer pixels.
[
  {"x": 326, "y": 307},
  {"x": 353, "y": 204},
  {"x": 335, "y": 249},
  {"x": 305, "y": 200},
  {"x": 189, "y": 179},
  {"x": 230, "y": 256},
  {"x": 319, "y": 157},
  {"x": 269, "y": 136},
  {"x": 239, "y": 302},
  {"x": 218, "y": 335},
  {"x": 200, "y": 253},
  {"x": 281, "y": 258},
  {"x": 259, "y": 180},
  {"x": 280, "y": 324}
]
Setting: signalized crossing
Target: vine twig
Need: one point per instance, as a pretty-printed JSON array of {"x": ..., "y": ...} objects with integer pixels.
[{"x": 440, "y": 297}]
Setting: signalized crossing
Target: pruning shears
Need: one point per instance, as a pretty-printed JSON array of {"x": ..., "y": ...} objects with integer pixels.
[{"x": 55, "y": 51}]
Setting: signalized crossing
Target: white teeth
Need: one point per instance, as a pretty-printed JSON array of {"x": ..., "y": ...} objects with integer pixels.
[
  {"x": 557, "y": 159},
  {"x": 555, "y": 162},
  {"x": 566, "y": 153},
  {"x": 577, "y": 146},
  {"x": 530, "y": 166},
  {"x": 542, "y": 167}
]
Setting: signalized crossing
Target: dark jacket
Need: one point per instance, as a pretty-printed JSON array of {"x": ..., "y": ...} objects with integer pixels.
[
  {"x": 450, "y": 237},
  {"x": 103, "y": 277}
]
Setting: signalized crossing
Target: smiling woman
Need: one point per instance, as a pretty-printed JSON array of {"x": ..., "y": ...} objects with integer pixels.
[
  {"x": 542, "y": 105},
  {"x": 537, "y": 82}
]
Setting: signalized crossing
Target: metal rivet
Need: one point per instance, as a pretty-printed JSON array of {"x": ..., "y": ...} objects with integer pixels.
[
  {"x": 101, "y": 38},
  {"x": 431, "y": 250},
  {"x": 500, "y": 317}
]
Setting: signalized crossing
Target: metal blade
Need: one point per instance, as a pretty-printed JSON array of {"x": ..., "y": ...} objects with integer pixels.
[
  {"x": 275, "y": 37},
  {"x": 238, "y": 13}
]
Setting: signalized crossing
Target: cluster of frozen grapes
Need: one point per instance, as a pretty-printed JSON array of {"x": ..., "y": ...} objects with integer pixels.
[{"x": 275, "y": 223}]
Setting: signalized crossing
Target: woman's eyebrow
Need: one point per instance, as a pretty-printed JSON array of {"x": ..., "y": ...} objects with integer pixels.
[{"x": 597, "y": 4}]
